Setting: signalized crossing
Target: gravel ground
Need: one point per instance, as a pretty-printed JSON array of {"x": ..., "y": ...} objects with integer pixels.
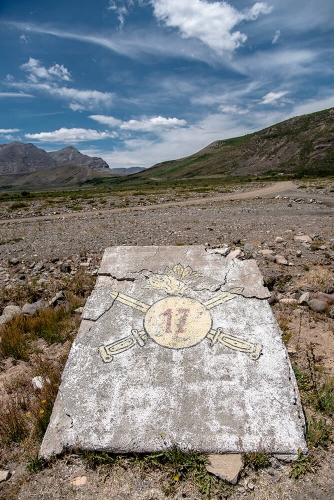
[{"x": 35, "y": 249}]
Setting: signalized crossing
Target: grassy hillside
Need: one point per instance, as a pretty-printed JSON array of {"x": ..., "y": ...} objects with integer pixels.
[{"x": 303, "y": 145}]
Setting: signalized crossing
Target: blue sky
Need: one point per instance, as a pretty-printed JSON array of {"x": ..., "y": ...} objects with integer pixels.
[{"x": 142, "y": 81}]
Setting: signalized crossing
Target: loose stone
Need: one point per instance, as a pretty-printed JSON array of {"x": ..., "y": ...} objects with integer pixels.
[
  {"x": 289, "y": 301},
  {"x": 303, "y": 238},
  {"x": 29, "y": 309},
  {"x": 234, "y": 254},
  {"x": 4, "y": 475},
  {"x": 65, "y": 268},
  {"x": 281, "y": 260},
  {"x": 304, "y": 298},
  {"x": 325, "y": 297},
  {"x": 227, "y": 467},
  {"x": 317, "y": 305}
]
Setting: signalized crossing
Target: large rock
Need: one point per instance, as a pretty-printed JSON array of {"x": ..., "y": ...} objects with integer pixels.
[
  {"x": 324, "y": 297},
  {"x": 317, "y": 305},
  {"x": 177, "y": 347},
  {"x": 8, "y": 313},
  {"x": 303, "y": 238}
]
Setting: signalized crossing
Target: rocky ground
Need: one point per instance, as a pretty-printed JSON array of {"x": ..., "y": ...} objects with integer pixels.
[{"x": 290, "y": 235}]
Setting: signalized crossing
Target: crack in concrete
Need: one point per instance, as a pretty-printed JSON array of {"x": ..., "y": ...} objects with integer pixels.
[
  {"x": 71, "y": 420},
  {"x": 122, "y": 279},
  {"x": 102, "y": 314}
]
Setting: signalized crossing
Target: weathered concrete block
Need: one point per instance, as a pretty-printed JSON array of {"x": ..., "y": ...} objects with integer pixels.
[{"x": 178, "y": 346}]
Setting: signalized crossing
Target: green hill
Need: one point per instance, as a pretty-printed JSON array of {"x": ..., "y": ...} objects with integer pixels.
[{"x": 303, "y": 145}]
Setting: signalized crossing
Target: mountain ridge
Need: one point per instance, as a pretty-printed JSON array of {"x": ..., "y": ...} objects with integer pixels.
[
  {"x": 302, "y": 145},
  {"x": 24, "y": 158},
  {"x": 71, "y": 155}
]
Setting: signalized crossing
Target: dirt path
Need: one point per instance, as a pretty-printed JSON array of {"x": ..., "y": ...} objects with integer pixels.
[{"x": 286, "y": 188}]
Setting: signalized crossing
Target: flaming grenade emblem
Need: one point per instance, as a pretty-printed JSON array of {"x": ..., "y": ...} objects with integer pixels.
[{"x": 177, "y": 321}]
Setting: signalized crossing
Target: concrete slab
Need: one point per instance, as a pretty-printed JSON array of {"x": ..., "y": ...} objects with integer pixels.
[{"x": 178, "y": 346}]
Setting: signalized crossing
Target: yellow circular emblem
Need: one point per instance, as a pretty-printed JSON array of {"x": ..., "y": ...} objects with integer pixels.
[{"x": 177, "y": 322}]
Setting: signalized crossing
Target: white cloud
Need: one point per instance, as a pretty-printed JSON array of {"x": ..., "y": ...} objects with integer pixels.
[
  {"x": 212, "y": 23},
  {"x": 87, "y": 97},
  {"x": 71, "y": 135},
  {"x": 232, "y": 110},
  {"x": 8, "y": 137},
  {"x": 79, "y": 99},
  {"x": 76, "y": 107},
  {"x": 276, "y": 37},
  {"x": 60, "y": 72},
  {"x": 37, "y": 72},
  {"x": 106, "y": 120},
  {"x": 24, "y": 38},
  {"x": 153, "y": 124},
  {"x": 137, "y": 44},
  {"x": 121, "y": 10},
  {"x": 9, "y": 130},
  {"x": 15, "y": 94},
  {"x": 273, "y": 97}
]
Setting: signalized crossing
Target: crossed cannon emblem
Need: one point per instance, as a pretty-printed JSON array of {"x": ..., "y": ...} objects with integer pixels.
[{"x": 177, "y": 321}]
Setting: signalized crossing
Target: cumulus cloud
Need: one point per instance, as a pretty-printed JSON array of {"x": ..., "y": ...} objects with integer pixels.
[
  {"x": 153, "y": 124},
  {"x": 43, "y": 80},
  {"x": 9, "y": 130},
  {"x": 37, "y": 72},
  {"x": 71, "y": 135},
  {"x": 273, "y": 97},
  {"x": 212, "y": 23},
  {"x": 276, "y": 37}
]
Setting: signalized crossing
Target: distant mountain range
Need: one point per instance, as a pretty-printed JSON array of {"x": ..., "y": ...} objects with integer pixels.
[
  {"x": 303, "y": 145},
  {"x": 20, "y": 158}
]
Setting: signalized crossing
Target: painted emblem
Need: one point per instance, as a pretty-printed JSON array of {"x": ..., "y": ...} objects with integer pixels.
[{"x": 177, "y": 321}]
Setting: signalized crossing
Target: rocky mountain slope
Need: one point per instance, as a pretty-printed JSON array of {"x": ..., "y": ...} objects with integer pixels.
[
  {"x": 72, "y": 155},
  {"x": 20, "y": 158},
  {"x": 17, "y": 158},
  {"x": 302, "y": 145}
]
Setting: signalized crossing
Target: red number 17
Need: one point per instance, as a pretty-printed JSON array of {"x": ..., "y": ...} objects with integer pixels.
[{"x": 180, "y": 326}]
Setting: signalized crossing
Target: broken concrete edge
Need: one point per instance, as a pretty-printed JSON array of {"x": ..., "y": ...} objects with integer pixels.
[
  {"x": 301, "y": 414},
  {"x": 130, "y": 275},
  {"x": 226, "y": 467}
]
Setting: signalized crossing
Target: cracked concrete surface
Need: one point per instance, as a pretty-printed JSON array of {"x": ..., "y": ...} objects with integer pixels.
[{"x": 211, "y": 396}]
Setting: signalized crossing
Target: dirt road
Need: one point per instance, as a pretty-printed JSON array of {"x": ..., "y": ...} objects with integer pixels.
[{"x": 284, "y": 188}]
